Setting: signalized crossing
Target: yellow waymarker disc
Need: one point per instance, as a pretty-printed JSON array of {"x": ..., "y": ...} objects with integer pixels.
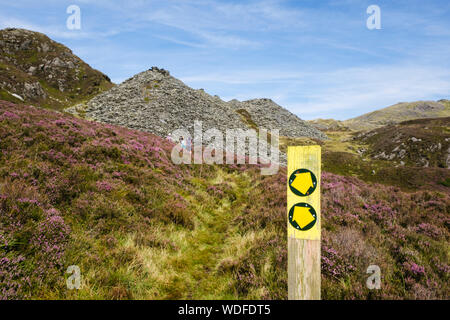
[
  {"x": 303, "y": 182},
  {"x": 302, "y": 216}
]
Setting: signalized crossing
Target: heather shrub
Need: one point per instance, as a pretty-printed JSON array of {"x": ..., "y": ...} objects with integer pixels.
[
  {"x": 257, "y": 270},
  {"x": 33, "y": 246},
  {"x": 13, "y": 278},
  {"x": 49, "y": 242},
  {"x": 108, "y": 199},
  {"x": 400, "y": 232},
  {"x": 59, "y": 171}
]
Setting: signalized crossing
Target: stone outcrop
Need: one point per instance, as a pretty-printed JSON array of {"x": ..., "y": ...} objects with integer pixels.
[{"x": 39, "y": 71}]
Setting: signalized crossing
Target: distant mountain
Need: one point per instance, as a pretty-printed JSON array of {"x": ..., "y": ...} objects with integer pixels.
[
  {"x": 328, "y": 125},
  {"x": 420, "y": 142},
  {"x": 37, "y": 70},
  {"x": 156, "y": 102},
  {"x": 399, "y": 112}
]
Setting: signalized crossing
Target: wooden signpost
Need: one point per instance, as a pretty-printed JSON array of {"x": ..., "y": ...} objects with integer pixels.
[{"x": 303, "y": 212}]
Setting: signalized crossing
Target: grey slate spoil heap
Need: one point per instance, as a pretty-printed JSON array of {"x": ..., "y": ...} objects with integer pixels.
[{"x": 156, "y": 102}]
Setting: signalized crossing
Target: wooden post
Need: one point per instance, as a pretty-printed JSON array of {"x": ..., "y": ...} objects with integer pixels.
[{"x": 303, "y": 213}]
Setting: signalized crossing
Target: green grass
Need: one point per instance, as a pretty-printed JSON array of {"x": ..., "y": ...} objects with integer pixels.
[
  {"x": 109, "y": 200},
  {"x": 5, "y": 95},
  {"x": 446, "y": 182},
  {"x": 247, "y": 118},
  {"x": 174, "y": 262}
]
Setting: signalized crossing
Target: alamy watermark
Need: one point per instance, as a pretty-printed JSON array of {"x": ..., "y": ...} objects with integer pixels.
[
  {"x": 374, "y": 20},
  {"x": 374, "y": 280},
  {"x": 232, "y": 148},
  {"x": 73, "y": 22},
  {"x": 74, "y": 280}
]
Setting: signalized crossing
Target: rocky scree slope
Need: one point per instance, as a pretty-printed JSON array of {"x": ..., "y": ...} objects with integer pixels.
[
  {"x": 156, "y": 102},
  {"x": 265, "y": 113},
  {"x": 39, "y": 71},
  {"x": 400, "y": 112}
]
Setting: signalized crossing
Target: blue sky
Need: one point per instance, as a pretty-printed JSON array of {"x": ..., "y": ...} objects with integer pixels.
[{"x": 316, "y": 58}]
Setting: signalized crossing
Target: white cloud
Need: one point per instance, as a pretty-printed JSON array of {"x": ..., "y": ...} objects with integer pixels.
[
  {"x": 371, "y": 88},
  {"x": 335, "y": 93}
]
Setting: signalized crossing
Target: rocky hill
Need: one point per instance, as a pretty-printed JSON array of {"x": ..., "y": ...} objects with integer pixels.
[
  {"x": 265, "y": 113},
  {"x": 39, "y": 71},
  {"x": 420, "y": 142},
  {"x": 156, "y": 102},
  {"x": 399, "y": 112}
]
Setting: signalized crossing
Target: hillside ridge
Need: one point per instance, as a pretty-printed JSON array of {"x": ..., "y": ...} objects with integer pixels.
[
  {"x": 419, "y": 142},
  {"x": 37, "y": 70},
  {"x": 402, "y": 111}
]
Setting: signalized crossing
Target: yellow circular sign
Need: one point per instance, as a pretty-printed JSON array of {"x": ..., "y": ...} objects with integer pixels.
[
  {"x": 302, "y": 216},
  {"x": 302, "y": 182}
]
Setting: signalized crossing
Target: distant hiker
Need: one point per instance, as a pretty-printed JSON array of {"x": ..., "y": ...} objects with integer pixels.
[
  {"x": 169, "y": 137},
  {"x": 183, "y": 143}
]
